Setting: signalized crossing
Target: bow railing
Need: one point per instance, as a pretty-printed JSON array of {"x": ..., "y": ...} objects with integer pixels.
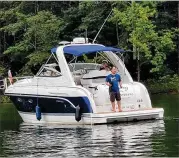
[{"x": 4, "y": 83}]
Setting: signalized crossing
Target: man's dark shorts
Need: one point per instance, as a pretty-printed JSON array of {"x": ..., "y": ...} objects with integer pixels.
[{"x": 114, "y": 95}]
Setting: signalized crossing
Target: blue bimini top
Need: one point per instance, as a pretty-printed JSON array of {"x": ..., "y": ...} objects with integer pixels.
[{"x": 79, "y": 50}]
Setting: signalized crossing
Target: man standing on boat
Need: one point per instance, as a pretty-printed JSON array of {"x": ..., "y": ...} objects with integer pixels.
[{"x": 113, "y": 80}]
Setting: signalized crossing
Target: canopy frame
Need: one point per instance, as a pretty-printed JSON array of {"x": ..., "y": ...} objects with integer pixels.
[{"x": 79, "y": 50}]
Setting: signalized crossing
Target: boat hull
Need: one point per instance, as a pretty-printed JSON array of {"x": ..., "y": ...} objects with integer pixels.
[
  {"x": 51, "y": 104},
  {"x": 94, "y": 118}
]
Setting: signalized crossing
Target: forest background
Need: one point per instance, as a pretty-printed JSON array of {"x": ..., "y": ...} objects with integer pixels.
[{"x": 147, "y": 30}]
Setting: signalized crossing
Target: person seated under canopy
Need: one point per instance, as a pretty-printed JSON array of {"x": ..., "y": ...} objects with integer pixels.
[{"x": 105, "y": 66}]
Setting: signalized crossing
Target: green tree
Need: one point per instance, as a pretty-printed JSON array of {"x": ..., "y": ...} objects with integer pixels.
[
  {"x": 178, "y": 37},
  {"x": 39, "y": 32},
  {"x": 149, "y": 45},
  {"x": 89, "y": 16}
]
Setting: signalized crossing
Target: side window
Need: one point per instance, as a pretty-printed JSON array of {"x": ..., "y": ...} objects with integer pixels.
[
  {"x": 50, "y": 71},
  {"x": 50, "y": 68},
  {"x": 57, "y": 68}
]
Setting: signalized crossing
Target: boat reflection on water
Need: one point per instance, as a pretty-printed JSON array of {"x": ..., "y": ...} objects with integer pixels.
[
  {"x": 114, "y": 140},
  {"x": 128, "y": 139}
]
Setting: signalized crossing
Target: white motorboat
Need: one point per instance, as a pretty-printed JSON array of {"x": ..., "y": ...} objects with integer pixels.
[{"x": 75, "y": 93}]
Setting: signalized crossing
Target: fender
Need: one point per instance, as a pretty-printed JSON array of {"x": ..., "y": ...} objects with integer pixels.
[
  {"x": 78, "y": 113},
  {"x": 38, "y": 112}
]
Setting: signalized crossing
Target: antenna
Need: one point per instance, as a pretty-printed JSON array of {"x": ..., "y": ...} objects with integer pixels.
[
  {"x": 86, "y": 35},
  {"x": 102, "y": 26}
]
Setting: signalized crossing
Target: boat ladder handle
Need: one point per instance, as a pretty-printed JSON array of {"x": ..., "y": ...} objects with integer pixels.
[{"x": 71, "y": 104}]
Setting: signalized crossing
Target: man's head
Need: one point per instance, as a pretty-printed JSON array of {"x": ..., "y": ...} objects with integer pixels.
[{"x": 113, "y": 70}]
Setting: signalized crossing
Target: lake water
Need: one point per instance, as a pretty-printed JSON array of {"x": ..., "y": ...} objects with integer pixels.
[{"x": 145, "y": 138}]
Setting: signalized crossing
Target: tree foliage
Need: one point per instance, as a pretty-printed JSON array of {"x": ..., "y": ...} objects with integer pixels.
[
  {"x": 29, "y": 29},
  {"x": 33, "y": 34},
  {"x": 149, "y": 45}
]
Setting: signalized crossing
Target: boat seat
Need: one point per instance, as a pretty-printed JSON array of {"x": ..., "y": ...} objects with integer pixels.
[{"x": 77, "y": 79}]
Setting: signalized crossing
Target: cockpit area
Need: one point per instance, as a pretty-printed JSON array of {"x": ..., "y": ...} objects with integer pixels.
[
  {"x": 86, "y": 72},
  {"x": 83, "y": 72}
]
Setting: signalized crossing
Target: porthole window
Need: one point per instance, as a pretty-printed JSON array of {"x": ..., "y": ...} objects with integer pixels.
[
  {"x": 19, "y": 99},
  {"x": 30, "y": 101}
]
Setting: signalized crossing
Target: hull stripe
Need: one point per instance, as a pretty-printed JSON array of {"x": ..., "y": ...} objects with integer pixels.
[{"x": 37, "y": 95}]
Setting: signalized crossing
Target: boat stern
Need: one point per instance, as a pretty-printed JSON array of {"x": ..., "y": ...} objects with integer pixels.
[{"x": 128, "y": 116}]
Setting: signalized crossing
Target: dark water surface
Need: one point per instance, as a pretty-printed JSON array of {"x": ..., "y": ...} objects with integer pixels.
[{"x": 147, "y": 138}]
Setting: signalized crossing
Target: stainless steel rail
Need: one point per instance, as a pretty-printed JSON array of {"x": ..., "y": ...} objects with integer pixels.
[
  {"x": 4, "y": 83},
  {"x": 71, "y": 104}
]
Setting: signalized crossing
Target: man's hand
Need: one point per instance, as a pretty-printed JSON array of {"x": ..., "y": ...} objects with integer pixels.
[{"x": 108, "y": 84}]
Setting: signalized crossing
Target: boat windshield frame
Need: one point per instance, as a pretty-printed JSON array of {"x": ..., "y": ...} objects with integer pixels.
[{"x": 49, "y": 67}]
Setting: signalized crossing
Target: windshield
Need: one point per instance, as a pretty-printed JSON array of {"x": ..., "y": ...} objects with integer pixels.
[
  {"x": 49, "y": 70},
  {"x": 86, "y": 66}
]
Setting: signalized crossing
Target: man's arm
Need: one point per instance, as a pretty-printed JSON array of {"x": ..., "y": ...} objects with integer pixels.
[
  {"x": 107, "y": 82},
  {"x": 120, "y": 83}
]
